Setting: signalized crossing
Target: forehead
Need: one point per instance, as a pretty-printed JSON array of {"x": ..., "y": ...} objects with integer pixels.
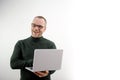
[{"x": 39, "y": 21}]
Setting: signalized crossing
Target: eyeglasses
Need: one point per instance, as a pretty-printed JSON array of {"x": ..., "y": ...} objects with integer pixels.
[{"x": 39, "y": 26}]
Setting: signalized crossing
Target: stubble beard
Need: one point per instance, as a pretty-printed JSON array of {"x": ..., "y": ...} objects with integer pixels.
[{"x": 36, "y": 34}]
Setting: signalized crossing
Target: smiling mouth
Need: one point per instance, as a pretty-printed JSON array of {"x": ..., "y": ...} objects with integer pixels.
[{"x": 36, "y": 32}]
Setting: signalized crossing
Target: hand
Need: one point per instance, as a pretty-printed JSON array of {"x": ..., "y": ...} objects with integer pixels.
[{"x": 42, "y": 73}]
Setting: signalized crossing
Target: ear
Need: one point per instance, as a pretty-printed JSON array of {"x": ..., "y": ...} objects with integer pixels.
[{"x": 44, "y": 29}]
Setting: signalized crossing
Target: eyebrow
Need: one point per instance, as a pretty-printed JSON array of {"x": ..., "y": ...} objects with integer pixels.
[{"x": 37, "y": 25}]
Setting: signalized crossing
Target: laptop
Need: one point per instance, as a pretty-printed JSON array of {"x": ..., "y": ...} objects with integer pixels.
[{"x": 46, "y": 59}]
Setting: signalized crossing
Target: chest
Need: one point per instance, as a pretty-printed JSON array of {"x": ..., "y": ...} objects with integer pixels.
[{"x": 28, "y": 49}]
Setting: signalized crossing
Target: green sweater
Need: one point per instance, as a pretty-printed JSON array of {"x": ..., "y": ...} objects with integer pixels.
[{"x": 23, "y": 56}]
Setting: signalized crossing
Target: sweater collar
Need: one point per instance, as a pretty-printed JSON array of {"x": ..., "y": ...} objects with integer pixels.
[{"x": 36, "y": 39}]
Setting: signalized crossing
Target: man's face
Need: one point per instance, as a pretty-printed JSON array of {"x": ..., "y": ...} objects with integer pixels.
[{"x": 38, "y": 26}]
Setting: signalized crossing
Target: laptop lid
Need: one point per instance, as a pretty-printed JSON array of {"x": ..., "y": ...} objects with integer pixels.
[{"x": 47, "y": 59}]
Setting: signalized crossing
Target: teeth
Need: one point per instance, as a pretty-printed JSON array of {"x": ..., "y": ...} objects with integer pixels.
[{"x": 36, "y": 32}]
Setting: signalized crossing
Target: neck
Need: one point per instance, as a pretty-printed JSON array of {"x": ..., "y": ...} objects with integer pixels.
[{"x": 36, "y": 37}]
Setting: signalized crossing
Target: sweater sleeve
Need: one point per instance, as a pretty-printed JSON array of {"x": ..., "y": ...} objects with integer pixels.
[{"x": 16, "y": 60}]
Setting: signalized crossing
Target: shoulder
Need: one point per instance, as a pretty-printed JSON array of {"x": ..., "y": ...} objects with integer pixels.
[
  {"x": 50, "y": 43},
  {"x": 19, "y": 42}
]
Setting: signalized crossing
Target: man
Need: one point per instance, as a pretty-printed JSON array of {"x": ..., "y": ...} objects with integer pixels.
[{"x": 24, "y": 50}]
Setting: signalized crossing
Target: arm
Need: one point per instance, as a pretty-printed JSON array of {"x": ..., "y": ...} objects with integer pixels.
[{"x": 16, "y": 61}]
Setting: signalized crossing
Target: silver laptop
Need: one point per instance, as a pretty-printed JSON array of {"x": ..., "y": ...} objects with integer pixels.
[{"x": 46, "y": 59}]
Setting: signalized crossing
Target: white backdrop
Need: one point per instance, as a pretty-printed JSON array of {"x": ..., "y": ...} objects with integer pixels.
[
  {"x": 15, "y": 20},
  {"x": 87, "y": 30}
]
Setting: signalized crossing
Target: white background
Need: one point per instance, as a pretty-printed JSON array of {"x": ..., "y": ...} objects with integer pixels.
[{"x": 87, "y": 30}]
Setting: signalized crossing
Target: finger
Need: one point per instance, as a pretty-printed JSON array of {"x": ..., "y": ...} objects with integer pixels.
[
  {"x": 45, "y": 71},
  {"x": 42, "y": 73},
  {"x": 36, "y": 73}
]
